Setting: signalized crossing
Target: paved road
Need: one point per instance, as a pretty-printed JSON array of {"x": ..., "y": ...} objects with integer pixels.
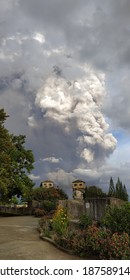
[{"x": 19, "y": 240}]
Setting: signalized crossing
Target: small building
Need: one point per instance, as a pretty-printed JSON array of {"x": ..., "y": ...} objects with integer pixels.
[
  {"x": 78, "y": 187},
  {"x": 47, "y": 184}
]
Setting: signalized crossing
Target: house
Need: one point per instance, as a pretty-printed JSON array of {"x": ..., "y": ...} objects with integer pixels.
[
  {"x": 78, "y": 187},
  {"x": 47, "y": 184}
]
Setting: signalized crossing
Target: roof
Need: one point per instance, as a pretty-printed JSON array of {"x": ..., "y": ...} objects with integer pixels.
[
  {"x": 78, "y": 181},
  {"x": 47, "y": 181}
]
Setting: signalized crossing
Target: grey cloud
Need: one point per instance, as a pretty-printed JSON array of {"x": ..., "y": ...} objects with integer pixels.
[
  {"x": 55, "y": 12},
  {"x": 117, "y": 104},
  {"x": 75, "y": 35}
]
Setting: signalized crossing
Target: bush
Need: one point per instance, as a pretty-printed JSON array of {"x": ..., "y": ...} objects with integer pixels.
[
  {"x": 39, "y": 212},
  {"x": 51, "y": 194},
  {"x": 85, "y": 221},
  {"x": 48, "y": 206},
  {"x": 45, "y": 226},
  {"x": 119, "y": 247},
  {"x": 98, "y": 243},
  {"x": 117, "y": 219},
  {"x": 107, "y": 245}
]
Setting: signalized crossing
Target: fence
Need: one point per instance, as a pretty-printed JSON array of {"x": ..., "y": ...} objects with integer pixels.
[{"x": 14, "y": 211}]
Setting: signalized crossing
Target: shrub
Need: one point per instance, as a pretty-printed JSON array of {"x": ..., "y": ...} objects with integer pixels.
[
  {"x": 80, "y": 243},
  {"x": 51, "y": 194},
  {"x": 117, "y": 219},
  {"x": 119, "y": 247},
  {"x": 45, "y": 226},
  {"x": 48, "y": 206},
  {"x": 60, "y": 221},
  {"x": 39, "y": 212},
  {"x": 85, "y": 221},
  {"x": 97, "y": 242},
  {"x": 107, "y": 245}
]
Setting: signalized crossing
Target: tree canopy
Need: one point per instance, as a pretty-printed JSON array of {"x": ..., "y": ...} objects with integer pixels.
[
  {"x": 94, "y": 191},
  {"x": 16, "y": 162},
  {"x": 118, "y": 190},
  {"x": 50, "y": 194}
]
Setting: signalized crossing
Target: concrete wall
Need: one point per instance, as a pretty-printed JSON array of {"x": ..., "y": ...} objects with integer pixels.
[
  {"x": 15, "y": 210},
  {"x": 95, "y": 207},
  {"x": 75, "y": 208}
]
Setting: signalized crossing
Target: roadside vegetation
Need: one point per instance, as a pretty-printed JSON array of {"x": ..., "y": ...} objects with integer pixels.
[
  {"x": 110, "y": 240},
  {"x": 16, "y": 163}
]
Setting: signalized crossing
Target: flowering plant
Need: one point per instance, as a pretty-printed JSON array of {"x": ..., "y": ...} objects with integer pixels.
[
  {"x": 119, "y": 246},
  {"x": 60, "y": 221}
]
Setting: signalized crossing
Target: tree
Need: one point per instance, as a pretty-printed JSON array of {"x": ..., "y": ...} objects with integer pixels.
[
  {"x": 118, "y": 191},
  {"x": 125, "y": 194},
  {"x": 48, "y": 197},
  {"x": 93, "y": 191},
  {"x": 15, "y": 163},
  {"x": 22, "y": 163},
  {"x": 50, "y": 194},
  {"x": 5, "y": 159},
  {"x": 111, "y": 191},
  {"x": 121, "y": 191},
  {"x": 117, "y": 219}
]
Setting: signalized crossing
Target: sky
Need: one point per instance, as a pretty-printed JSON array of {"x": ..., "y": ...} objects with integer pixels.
[{"x": 64, "y": 81}]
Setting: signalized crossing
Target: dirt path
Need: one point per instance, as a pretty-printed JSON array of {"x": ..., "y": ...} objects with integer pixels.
[{"x": 19, "y": 240}]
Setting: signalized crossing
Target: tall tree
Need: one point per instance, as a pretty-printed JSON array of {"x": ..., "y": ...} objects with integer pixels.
[
  {"x": 121, "y": 191},
  {"x": 118, "y": 188},
  {"x": 125, "y": 194},
  {"x": 111, "y": 191}
]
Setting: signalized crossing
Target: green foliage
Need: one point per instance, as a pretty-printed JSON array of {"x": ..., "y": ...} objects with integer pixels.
[
  {"x": 52, "y": 194},
  {"x": 111, "y": 191},
  {"x": 45, "y": 226},
  {"x": 97, "y": 243},
  {"x": 84, "y": 221},
  {"x": 107, "y": 245},
  {"x": 62, "y": 194},
  {"x": 117, "y": 219},
  {"x": 48, "y": 205},
  {"x": 15, "y": 162},
  {"x": 39, "y": 212},
  {"x": 60, "y": 221},
  {"x": 118, "y": 191},
  {"x": 14, "y": 200},
  {"x": 94, "y": 191},
  {"x": 119, "y": 247}
]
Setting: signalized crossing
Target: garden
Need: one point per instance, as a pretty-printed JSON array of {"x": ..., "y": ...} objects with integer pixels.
[{"x": 108, "y": 240}]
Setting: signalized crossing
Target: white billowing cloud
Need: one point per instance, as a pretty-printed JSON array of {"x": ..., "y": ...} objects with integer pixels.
[
  {"x": 76, "y": 105},
  {"x": 39, "y": 37},
  {"x": 61, "y": 177},
  {"x": 87, "y": 173},
  {"x": 52, "y": 159},
  {"x": 34, "y": 177},
  {"x": 87, "y": 155}
]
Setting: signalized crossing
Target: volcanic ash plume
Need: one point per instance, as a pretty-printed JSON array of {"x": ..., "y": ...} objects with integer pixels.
[{"x": 76, "y": 106}]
